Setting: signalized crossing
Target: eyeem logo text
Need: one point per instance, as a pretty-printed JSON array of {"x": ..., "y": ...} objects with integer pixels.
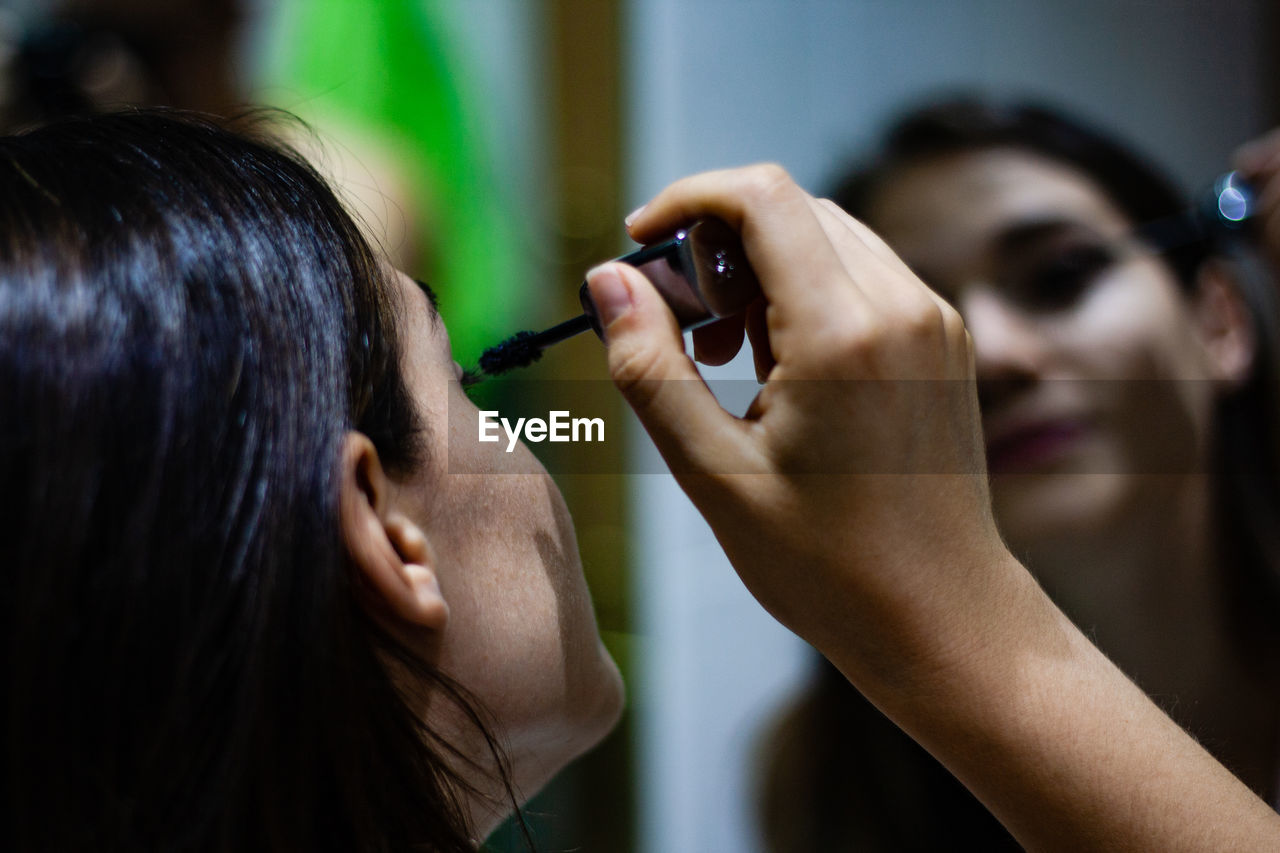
[{"x": 557, "y": 427}]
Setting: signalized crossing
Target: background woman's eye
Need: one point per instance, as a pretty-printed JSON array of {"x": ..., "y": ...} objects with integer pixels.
[{"x": 1060, "y": 278}]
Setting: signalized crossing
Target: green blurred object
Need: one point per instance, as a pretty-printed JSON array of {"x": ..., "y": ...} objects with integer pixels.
[{"x": 386, "y": 65}]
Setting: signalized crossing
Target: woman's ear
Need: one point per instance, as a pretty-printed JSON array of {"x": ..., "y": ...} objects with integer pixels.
[
  {"x": 391, "y": 555},
  {"x": 1225, "y": 324}
]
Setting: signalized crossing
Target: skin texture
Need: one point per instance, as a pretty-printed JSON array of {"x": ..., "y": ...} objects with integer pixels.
[
  {"x": 902, "y": 581},
  {"x": 479, "y": 573}
]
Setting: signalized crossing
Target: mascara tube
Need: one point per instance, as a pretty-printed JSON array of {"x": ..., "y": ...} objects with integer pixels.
[{"x": 701, "y": 272}]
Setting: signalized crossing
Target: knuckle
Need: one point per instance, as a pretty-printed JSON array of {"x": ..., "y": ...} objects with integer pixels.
[
  {"x": 859, "y": 342},
  {"x": 924, "y": 322},
  {"x": 767, "y": 180},
  {"x": 954, "y": 325}
]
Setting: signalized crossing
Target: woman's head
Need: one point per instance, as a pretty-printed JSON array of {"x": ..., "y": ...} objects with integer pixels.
[
  {"x": 1098, "y": 357},
  {"x": 224, "y": 542}
]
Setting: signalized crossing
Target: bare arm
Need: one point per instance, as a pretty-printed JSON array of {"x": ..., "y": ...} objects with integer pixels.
[
  {"x": 852, "y": 500},
  {"x": 1061, "y": 746}
]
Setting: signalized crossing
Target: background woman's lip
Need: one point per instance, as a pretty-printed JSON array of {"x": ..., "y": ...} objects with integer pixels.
[{"x": 1032, "y": 445}]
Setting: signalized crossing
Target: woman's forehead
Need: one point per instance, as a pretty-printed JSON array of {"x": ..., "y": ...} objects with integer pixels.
[
  {"x": 955, "y": 205},
  {"x": 996, "y": 183}
]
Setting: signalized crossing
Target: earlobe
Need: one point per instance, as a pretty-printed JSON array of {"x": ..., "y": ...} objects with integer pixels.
[
  {"x": 1225, "y": 324},
  {"x": 389, "y": 553}
]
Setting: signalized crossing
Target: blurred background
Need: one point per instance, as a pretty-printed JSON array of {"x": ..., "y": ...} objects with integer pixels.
[{"x": 495, "y": 145}]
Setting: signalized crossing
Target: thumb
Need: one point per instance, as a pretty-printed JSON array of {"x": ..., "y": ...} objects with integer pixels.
[{"x": 648, "y": 363}]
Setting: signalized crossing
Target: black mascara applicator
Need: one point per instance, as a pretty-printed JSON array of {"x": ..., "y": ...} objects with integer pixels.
[
  {"x": 524, "y": 348},
  {"x": 701, "y": 272}
]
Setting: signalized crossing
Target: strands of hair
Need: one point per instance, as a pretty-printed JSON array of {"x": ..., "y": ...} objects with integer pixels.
[{"x": 524, "y": 348}]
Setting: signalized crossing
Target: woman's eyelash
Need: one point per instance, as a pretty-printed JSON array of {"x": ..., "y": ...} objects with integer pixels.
[
  {"x": 1059, "y": 279},
  {"x": 470, "y": 378}
]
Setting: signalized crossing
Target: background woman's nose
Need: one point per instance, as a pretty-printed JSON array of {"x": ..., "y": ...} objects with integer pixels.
[{"x": 1009, "y": 347}]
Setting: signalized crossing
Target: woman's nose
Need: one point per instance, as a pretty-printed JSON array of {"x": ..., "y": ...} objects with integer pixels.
[{"x": 1009, "y": 347}]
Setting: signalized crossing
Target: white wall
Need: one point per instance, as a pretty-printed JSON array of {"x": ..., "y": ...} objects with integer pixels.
[{"x": 804, "y": 83}]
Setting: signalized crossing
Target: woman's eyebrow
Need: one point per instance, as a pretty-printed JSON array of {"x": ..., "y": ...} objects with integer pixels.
[{"x": 1023, "y": 235}]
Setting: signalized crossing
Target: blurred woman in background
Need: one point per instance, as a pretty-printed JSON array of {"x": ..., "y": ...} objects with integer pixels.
[{"x": 1129, "y": 404}]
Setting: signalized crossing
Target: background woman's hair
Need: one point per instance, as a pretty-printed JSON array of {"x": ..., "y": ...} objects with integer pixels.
[
  {"x": 1131, "y": 181},
  {"x": 837, "y": 774},
  {"x": 189, "y": 323}
]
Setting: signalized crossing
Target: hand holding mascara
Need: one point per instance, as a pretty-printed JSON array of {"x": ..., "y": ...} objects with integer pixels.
[
  {"x": 701, "y": 272},
  {"x": 900, "y": 578}
]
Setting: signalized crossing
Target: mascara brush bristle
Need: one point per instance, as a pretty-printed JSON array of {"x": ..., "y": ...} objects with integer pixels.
[
  {"x": 516, "y": 351},
  {"x": 524, "y": 348}
]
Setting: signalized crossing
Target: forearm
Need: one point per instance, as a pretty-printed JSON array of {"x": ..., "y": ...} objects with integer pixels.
[
  {"x": 900, "y": 577},
  {"x": 1056, "y": 741}
]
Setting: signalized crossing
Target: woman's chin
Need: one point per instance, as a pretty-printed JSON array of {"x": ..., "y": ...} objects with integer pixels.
[
  {"x": 592, "y": 713},
  {"x": 541, "y": 749},
  {"x": 1047, "y": 509},
  {"x": 609, "y": 701}
]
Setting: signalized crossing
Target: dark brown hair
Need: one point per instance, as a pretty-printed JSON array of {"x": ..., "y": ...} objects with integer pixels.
[{"x": 189, "y": 324}]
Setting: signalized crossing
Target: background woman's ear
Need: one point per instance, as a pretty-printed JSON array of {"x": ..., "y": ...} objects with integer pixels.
[
  {"x": 1225, "y": 323},
  {"x": 390, "y": 554}
]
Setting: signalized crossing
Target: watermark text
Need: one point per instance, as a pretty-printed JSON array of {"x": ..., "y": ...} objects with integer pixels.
[{"x": 558, "y": 427}]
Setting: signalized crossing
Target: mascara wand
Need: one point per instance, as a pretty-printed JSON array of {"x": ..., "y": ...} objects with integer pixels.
[
  {"x": 701, "y": 272},
  {"x": 524, "y": 348}
]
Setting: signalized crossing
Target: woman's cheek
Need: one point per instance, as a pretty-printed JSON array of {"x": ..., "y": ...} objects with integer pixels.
[{"x": 1127, "y": 328}]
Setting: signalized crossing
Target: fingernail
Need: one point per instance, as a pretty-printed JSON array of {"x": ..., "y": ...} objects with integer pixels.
[
  {"x": 609, "y": 292},
  {"x": 631, "y": 217}
]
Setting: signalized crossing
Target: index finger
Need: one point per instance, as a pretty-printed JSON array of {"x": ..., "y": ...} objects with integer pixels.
[
  {"x": 1259, "y": 154},
  {"x": 799, "y": 270}
]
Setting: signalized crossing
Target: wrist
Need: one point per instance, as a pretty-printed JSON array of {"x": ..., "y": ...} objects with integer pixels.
[{"x": 953, "y": 645}]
